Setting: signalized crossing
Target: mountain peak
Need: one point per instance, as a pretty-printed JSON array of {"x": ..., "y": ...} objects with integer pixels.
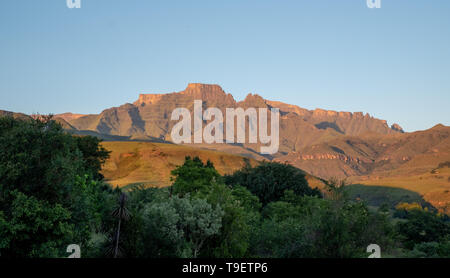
[
  {"x": 200, "y": 87},
  {"x": 148, "y": 98},
  {"x": 253, "y": 100},
  {"x": 210, "y": 93},
  {"x": 397, "y": 127},
  {"x": 150, "y": 116},
  {"x": 439, "y": 126},
  {"x": 205, "y": 92}
]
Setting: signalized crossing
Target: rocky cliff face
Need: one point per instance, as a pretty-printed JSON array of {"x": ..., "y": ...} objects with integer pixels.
[
  {"x": 397, "y": 127},
  {"x": 343, "y": 122},
  {"x": 323, "y": 142},
  {"x": 402, "y": 154},
  {"x": 208, "y": 93},
  {"x": 149, "y": 116},
  {"x": 148, "y": 99}
]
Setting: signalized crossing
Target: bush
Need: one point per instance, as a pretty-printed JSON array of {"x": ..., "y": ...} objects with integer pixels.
[{"x": 421, "y": 227}]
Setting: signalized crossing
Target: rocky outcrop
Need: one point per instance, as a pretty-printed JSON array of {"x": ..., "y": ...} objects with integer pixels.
[
  {"x": 398, "y": 128},
  {"x": 149, "y": 117},
  {"x": 343, "y": 122},
  {"x": 379, "y": 155},
  {"x": 148, "y": 99},
  {"x": 324, "y": 143}
]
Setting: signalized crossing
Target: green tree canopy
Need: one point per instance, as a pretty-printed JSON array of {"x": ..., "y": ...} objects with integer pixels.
[
  {"x": 423, "y": 226},
  {"x": 180, "y": 227},
  {"x": 193, "y": 176},
  {"x": 270, "y": 180},
  {"x": 48, "y": 197}
]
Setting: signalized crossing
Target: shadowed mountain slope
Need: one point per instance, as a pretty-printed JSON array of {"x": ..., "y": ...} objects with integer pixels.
[
  {"x": 375, "y": 155},
  {"x": 149, "y": 117}
]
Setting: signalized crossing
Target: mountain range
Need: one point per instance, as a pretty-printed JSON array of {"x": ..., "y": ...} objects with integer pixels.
[
  {"x": 326, "y": 144},
  {"x": 148, "y": 118}
]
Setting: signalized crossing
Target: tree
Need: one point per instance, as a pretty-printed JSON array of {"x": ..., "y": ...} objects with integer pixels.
[
  {"x": 201, "y": 221},
  {"x": 193, "y": 176},
  {"x": 180, "y": 226},
  {"x": 240, "y": 207},
  {"x": 269, "y": 180},
  {"x": 430, "y": 250},
  {"x": 38, "y": 159},
  {"x": 94, "y": 155},
  {"x": 34, "y": 228},
  {"x": 163, "y": 233},
  {"x": 240, "y": 214},
  {"x": 422, "y": 226},
  {"x": 311, "y": 227},
  {"x": 122, "y": 214},
  {"x": 47, "y": 193}
]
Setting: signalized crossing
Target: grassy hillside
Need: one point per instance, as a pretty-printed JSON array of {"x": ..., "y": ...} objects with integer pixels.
[
  {"x": 433, "y": 186},
  {"x": 235, "y": 149},
  {"x": 150, "y": 163},
  {"x": 376, "y": 196},
  {"x": 375, "y": 156}
]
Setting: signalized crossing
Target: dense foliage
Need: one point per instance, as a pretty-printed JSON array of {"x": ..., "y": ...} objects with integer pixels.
[
  {"x": 269, "y": 180},
  {"x": 52, "y": 194},
  {"x": 194, "y": 176},
  {"x": 49, "y": 194}
]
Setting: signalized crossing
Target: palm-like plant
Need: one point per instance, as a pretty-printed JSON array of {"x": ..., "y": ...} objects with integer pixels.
[{"x": 122, "y": 213}]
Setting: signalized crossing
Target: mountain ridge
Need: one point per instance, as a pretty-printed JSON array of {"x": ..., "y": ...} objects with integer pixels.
[
  {"x": 149, "y": 116},
  {"x": 325, "y": 143}
]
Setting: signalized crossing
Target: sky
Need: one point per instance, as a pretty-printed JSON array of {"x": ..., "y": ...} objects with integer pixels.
[{"x": 392, "y": 62}]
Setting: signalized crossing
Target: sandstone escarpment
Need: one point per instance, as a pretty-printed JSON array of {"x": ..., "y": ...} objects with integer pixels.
[{"x": 300, "y": 129}]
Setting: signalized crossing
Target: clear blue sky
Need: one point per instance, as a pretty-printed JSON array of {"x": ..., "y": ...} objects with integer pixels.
[{"x": 393, "y": 62}]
